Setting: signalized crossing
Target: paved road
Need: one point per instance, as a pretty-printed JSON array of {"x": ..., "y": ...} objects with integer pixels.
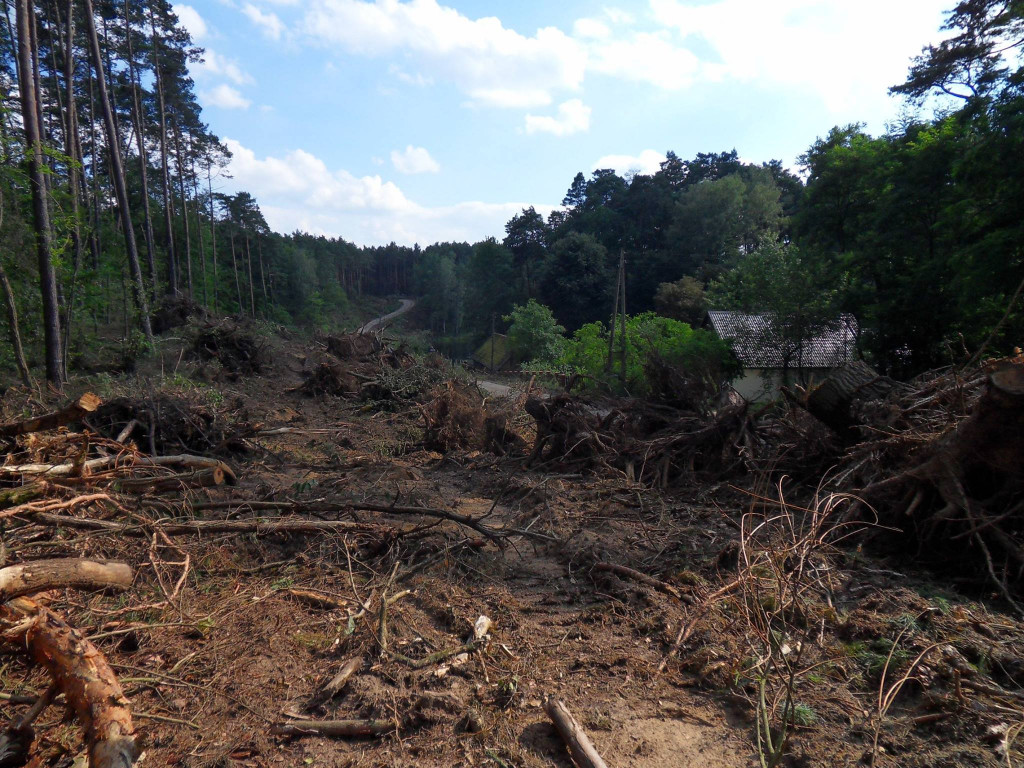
[
  {"x": 490, "y": 387},
  {"x": 375, "y": 325},
  {"x": 494, "y": 388}
]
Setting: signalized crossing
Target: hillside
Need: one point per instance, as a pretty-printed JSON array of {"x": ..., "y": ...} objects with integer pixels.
[{"x": 357, "y": 542}]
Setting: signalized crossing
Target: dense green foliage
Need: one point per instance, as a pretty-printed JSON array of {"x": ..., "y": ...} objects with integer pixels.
[
  {"x": 534, "y": 334},
  {"x": 655, "y": 346},
  {"x": 919, "y": 232}
]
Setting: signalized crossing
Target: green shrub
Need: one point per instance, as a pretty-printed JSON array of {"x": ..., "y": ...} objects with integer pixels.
[{"x": 665, "y": 359}]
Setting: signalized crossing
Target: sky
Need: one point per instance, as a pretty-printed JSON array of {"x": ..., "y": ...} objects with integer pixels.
[{"x": 438, "y": 120}]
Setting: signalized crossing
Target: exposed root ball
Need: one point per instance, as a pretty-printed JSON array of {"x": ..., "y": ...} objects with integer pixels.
[{"x": 238, "y": 352}]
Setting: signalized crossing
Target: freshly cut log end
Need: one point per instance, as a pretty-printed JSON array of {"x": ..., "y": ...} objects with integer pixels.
[{"x": 73, "y": 411}]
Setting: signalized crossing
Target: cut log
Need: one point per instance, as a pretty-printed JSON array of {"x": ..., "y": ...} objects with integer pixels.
[
  {"x": 73, "y": 411},
  {"x": 204, "y": 478},
  {"x": 582, "y": 749},
  {"x": 121, "y": 462},
  {"x": 336, "y": 728},
  {"x": 336, "y": 683},
  {"x": 82, "y": 673},
  {"x": 42, "y": 575},
  {"x": 834, "y": 399}
]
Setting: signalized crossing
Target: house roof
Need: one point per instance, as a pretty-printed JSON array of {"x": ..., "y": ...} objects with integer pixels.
[
  {"x": 752, "y": 334},
  {"x": 502, "y": 354}
]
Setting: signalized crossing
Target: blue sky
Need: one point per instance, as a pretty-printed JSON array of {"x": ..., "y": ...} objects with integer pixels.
[{"x": 427, "y": 120}]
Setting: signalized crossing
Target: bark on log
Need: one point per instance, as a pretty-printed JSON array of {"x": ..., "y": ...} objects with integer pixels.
[
  {"x": 84, "y": 676},
  {"x": 122, "y": 462},
  {"x": 338, "y": 728},
  {"x": 215, "y": 526},
  {"x": 832, "y": 402},
  {"x": 12, "y": 497},
  {"x": 204, "y": 478},
  {"x": 582, "y": 749},
  {"x": 73, "y": 411},
  {"x": 336, "y": 683},
  {"x": 62, "y": 573}
]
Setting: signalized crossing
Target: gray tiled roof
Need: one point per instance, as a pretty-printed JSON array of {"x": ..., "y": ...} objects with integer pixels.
[{"x": 751, "y": 336}]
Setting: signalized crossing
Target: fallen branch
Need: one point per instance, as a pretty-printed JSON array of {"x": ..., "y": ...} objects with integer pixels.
[
  {"x": 582, "y": 749},
  {"x": 73, "y": 411},
  {"x": 336, "y": 728},
  {"x": 336, "y": 683},
  {"x": 433, "y": 658},
  {"x": 121, "y": 462},
  {"x": 42, "y": 575},
  {"x": 643, "y": 578},
  {"x": 144, "y": 528},
  {"x": 474, "y": 523},
  {"x": 81, "y": 672}
]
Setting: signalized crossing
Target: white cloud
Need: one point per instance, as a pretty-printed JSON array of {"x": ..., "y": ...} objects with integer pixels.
[
  {"x": 573, "y": 116},
  {"x": 225, "y": 97},
  {"x": 192, "y": 21},
  {"x": 838, "y": 50},
  {"x": 299, "y": 191},
  {"x": 590, "y": 28},
  {"x": 269, "y": 23},
  {"x": 647, "y": 162},
  {"x": 649, "y": 57},
  {"x": 216, "y": 65},
  {"x": 490, "y": 63},
  {"x": 414, "y": 160}
]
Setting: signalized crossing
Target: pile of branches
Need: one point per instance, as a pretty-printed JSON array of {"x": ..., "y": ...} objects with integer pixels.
[
  {"x": 239, "y": 352},
  {"x": 942, "y": 461},
  {"x": 644, "y": 441},
  {"x": 174, "y": 312},
  {"x": 363, "y": 366},
  {"x": 166, "y": 423}
]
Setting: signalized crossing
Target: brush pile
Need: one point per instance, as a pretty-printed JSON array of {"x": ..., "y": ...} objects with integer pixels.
[
  {"x": 643, "y": 441},
  {"x": 239, "y": 353},
  {"x": 942, "y": 460}
]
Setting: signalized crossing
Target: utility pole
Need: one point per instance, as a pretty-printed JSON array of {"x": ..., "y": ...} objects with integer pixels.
[
  {"x": 615, "y": 318},
  {"x": 492, "y": 342},
  {"x": 618, "y": 316}
]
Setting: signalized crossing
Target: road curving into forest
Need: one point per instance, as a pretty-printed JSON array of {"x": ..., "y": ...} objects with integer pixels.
[{"x": 378, "y": 323}]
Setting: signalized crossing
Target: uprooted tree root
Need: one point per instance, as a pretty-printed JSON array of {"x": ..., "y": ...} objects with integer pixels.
[
  {"x": 239, "y": 353},
  {"x": 457, "y": 417},
  {"x": 943, "y": 463},
  {"x": 167, "y": 423},
  {"x": 645, "y": 442}
]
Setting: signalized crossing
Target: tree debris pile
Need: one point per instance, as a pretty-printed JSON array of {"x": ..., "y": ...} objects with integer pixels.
[
  {"x": 643, "y": 441},
  {"x": 170, "y": 423},
  {"x": 943, "y": 461},
  {"x": 174, "y": 312},
  {"x": 457, "y": 417},
  {"x": 365, "y": 367},
  {"x": 239, "y": 353}
]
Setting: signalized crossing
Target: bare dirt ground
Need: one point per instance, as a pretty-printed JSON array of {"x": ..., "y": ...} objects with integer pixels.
[{"x": 263, "y": 620}]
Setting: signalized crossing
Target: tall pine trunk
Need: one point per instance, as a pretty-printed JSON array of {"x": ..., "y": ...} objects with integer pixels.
[
  {"x": 140, "y": 133},
  {"x": 234, "y": 267},
  {"x": 27, "y": 81},
  {"x": 199, "y": 219},
  {"x": 117, "y": 167},
  {"x": 213, "y": 233},
  {"x": 184, "y": 208},
  {"x": 172, "y": 262}
]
